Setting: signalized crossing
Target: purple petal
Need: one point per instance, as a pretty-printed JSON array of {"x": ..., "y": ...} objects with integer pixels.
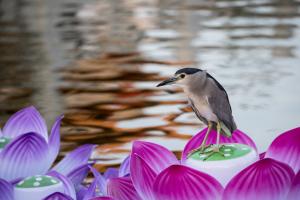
[
  {"x": 102, "y": 198},
  {"x": 54, "y": 139},
  {"x": 122, "y": 189},
  {"x": 142, "y": 177},
  {"x": 100, "y": 180},
  {"x": 179, "y": 182},
  {"x": 74, "y": 159},
  {"x": 294, "y": 193},
  {"x": 82, "y": 190},
  {"x": 26, "y": 155},
  {"x": 91, "y": 191},
  {"x": 286, "y": 148},
  {"x": 24, "y": 121},
  {"x": 267, "y": 179},
  {"x": 111, "y": 173},
  {"x": 58, "y": 196},
  {"x": 237, "y": 137},
  {"x": 6, "y": 190},
  {"x": 78, "y": 175},
  {"x": 124, "y": 169},
  {"x": 68, "y": 185},
  {"x": 156, "y": 156},
  {"x": 0, "y": 133}
]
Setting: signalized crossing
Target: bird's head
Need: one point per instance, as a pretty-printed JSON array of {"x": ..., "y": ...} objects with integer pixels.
[{"x": 182, "y": 77}]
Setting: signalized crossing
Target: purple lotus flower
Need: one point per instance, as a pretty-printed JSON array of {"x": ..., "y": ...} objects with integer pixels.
[
  {"x": 157, "y": 174},
  {"x": 113, "y": 182},
  {"x": 26, "y": 155}
]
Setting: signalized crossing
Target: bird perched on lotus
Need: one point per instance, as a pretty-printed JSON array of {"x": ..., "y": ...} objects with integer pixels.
[{"x": 209, "y": 101}]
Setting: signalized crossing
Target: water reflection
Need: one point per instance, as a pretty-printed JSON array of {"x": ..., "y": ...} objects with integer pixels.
[{"x": 121, "y": 49}]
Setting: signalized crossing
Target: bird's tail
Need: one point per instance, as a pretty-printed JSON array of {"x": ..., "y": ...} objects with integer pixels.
[{"x": 226, "y": 131}]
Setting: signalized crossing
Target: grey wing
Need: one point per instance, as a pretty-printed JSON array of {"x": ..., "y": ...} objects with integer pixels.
[
  {"x": 219, "y": 103},
  {"x": 196, "y": 112}
]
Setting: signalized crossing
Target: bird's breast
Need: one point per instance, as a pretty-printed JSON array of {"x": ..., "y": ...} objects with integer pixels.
[{"x": 204, "y": 109}]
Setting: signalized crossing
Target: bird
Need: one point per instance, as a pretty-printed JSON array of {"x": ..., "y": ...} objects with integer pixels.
[{"x": 209, "y": 101}]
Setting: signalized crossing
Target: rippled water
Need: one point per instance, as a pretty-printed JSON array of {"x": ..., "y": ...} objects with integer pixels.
[{"x": 99, "y": 61}]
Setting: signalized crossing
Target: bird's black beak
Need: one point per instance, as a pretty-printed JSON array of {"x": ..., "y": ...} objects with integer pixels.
[{"x": 168, "y": 82}]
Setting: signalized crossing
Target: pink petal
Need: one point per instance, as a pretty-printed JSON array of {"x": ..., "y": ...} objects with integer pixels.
[
  {"x": 6, "y": 190},
  {"x": 267, "y": 179},
  {"x": 122, "y": 189},
  {"x": 237, "y": 137},
  {"x": 262, "y": 155},
  {"x": 54, "y": 139},
  {"x": 156, "y": 156},
  {"x": 142, "y": 176},
  {"x": 26, "y": 155},
  {"x": 68, "y": 185},
  {"x": 25, "y": 121},
  {"x": 179, "y": 182},
  {"x": 58, "y": 196},
  {"x": 74, "y": 159},
  {"x": 294, "y": 193},
  {"x": 286, "y": 148},
  {"x": 124, "y": 169}
]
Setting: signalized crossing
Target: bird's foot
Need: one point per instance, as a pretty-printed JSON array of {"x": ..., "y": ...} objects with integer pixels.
[
  {"x": 201, "y": 149},
  {"x": 214, "y": 149}
]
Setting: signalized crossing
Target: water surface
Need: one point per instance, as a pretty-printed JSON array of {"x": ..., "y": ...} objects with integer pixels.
[{"x": 98, "y": 62}]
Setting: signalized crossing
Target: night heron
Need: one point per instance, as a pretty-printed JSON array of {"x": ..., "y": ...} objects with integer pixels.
[{"x": 209, "y": 101}]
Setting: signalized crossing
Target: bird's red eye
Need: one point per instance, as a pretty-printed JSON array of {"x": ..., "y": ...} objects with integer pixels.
[{"x": 182, "y": 76}]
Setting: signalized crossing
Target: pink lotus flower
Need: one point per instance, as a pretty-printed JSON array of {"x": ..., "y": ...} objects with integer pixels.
[
  {"x": 156, "y": 173},
  {"x": 27, "y": 152}
]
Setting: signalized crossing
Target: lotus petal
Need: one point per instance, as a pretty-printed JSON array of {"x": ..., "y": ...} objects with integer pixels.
[
  {"x": 81, "y": 191},
  {"x": 237, "y": 137},
  {"x": 102, "y": 198},
  {"x": 68, "y": 185},
  {"x": 100, "y": 180},
  {"x": 78, "y": 175},
  {"x": 124, "y": 169},
  {"x": 156, "y": 156},
  {"x": 285, "y": 148},
  {"x": 58, "y": 196},
  {"x": 24, "y": 121},
  {"x": 267, "y": 179},
  {"x": 111, "y": 173},
  {"x": 142, "y": 177},
  {"x": 74, "y": 159},
  {"x": 122, "y": 189},
  {"x": 262, "y": 155},
  {"x": 6, "y": 190},
  {"x": 294, "y": 193},
  {"x": 91, "y": 191},
  {"x": 179, "y": 182},
  {"x": 54, "y": 140},
  {"x": 26, "y": 155}
]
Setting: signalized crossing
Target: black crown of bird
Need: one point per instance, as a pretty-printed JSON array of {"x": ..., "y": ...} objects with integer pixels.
[{"x": 209, "y": 101}]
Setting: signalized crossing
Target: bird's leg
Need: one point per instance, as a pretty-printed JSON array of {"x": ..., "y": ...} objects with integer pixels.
[
  {"x": 202, "y": 146},
  {"x": 218, "y": 133},
  {"x": 217, "y": 147}
]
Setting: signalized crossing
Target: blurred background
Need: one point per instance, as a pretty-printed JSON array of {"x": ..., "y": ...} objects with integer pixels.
[{"x": 98, "y": 62}]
